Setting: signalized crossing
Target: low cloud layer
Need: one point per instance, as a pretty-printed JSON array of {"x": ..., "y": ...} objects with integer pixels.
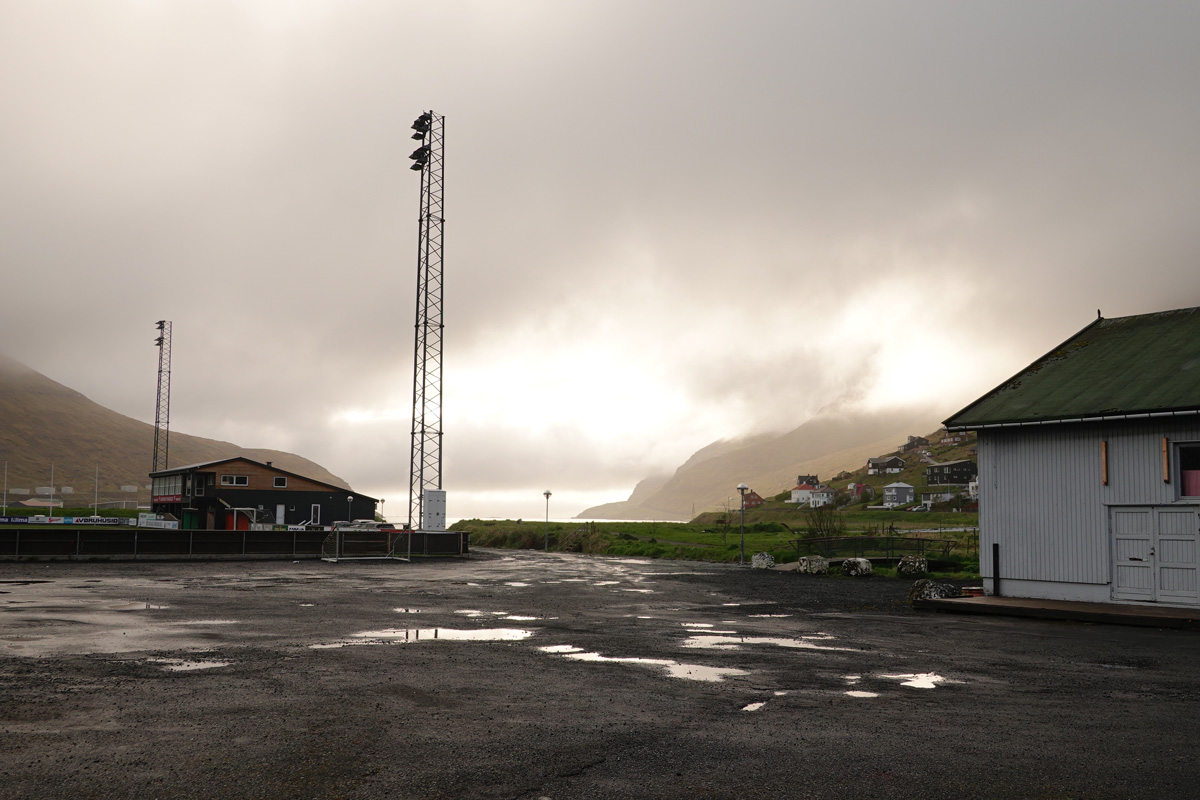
[{"x": 666, "y": 223}]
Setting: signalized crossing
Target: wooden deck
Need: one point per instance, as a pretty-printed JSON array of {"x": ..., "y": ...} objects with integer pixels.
[{"x": 1145, "y": 615}]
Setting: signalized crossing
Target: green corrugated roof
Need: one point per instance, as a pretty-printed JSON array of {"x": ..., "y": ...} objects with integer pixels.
[{"x": 1127, "y": 365}]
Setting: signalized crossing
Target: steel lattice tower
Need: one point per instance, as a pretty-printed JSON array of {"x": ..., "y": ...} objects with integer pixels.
[
  {"x": 426, "y": 456},
  {"x": 162, "y": 410}
]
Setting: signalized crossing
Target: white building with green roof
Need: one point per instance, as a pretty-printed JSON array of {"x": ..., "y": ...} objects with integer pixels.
[{"x": 1089, "y": 466}]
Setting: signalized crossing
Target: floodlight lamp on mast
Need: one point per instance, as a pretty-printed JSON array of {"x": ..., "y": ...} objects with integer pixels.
[
  {"x": 425, "y": 462},
  {"x": 742, "y": 489}
]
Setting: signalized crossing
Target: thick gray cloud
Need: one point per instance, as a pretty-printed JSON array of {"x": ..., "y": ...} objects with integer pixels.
[{"x": 666, "y": 222}]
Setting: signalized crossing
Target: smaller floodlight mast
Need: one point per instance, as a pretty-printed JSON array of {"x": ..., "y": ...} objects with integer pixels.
[
  {"x": 742, "y": 489},
  {"x": 425, "y": 462},
  {"x": 162, "y": 410}
]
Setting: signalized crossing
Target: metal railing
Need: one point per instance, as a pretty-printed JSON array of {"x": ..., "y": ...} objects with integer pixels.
[{"x": 876, "y": 546}]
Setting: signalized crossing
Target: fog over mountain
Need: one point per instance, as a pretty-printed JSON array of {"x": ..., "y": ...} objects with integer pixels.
[{"x": 828, "y": 443}]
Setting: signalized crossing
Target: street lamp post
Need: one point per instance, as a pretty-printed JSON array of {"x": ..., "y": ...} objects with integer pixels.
[
  {"x": 742, "y": 491},
  {"x": 349, "y": 506},
  {"x": 547, "y": 546}
]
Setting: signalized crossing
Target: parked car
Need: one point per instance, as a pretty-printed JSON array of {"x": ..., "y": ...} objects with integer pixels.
[{"x": 363, "y": 525}]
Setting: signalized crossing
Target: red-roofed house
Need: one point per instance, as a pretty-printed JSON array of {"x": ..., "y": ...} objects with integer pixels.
[{"x": 753, "y": 499}]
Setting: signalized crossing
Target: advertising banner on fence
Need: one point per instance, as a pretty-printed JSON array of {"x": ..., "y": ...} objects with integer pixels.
[{"x": 43, "y": 520}]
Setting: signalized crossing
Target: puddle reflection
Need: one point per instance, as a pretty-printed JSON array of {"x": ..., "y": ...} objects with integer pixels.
[
  {"x": 713, "y": 641},
  {"x": 921, "y": 680},
  {"x": 674, "y": 669},
  {"x": 183, "y": 665},
  {"x": 407, "y": 635}
]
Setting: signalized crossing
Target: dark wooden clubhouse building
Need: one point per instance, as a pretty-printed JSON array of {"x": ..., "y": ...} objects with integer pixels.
[{"x": 234, "y": 493}]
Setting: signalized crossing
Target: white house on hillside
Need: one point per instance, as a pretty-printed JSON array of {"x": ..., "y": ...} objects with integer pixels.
[
  {"x": 823, "y": 497},
  {"x": 803, "y": 493}
]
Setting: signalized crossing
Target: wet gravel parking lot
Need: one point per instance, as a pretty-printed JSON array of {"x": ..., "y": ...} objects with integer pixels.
[{"x": 531, "y": 675}]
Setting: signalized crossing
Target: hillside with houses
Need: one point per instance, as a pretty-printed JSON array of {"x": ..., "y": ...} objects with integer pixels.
[
  {"x": 833, "y": 441},
  {"x": 933, "y": 472}
]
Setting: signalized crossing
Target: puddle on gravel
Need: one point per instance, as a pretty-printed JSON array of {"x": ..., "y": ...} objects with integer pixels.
[
  {"x": 769, "y": 616},
  {"x": 58, "y": 620},
  {"x": 519, "y": 584},
  {"x": 753, "y": 706},
  {"x": 184, "y": 665},
  {"x": 674, "y": 669},
  {"x": 412, "y": 635},
  {"x": 144, "y": 605},
  {"x": 713, "y": 641},
  {"x": 920, "y": 680}
]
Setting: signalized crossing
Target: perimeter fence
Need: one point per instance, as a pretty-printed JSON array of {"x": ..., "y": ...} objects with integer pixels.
[
  {"x": 889, "y": 547},
  {"x": 150, "y": 543}
]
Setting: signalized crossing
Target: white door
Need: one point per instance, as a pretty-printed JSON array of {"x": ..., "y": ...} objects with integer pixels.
[
  {"x": 1155, "y": 553},
  {"x": 1175, "y": 554},
  {"x": 279, "y": 514},
  {"x": 1133, "y": 571}
]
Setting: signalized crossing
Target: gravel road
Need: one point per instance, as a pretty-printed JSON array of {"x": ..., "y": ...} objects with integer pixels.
[{"x": 532, "y": 675}]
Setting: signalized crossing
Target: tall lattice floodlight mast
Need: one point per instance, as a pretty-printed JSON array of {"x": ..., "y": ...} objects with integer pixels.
[
  {"x": 426, "y": 458},
  {"x": 162, "y": 410}
]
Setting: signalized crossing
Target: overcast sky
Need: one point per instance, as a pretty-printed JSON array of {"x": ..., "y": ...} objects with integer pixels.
[{"x": 666, "y": 222}]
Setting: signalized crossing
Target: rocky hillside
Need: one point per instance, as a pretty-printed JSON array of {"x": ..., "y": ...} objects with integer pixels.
[
  {"x": 825, "y": 445},
  {"x": 44, "y": 423}
]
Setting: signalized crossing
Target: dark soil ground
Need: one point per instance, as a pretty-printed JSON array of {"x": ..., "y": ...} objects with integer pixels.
[{"x": 527, "y": 675}]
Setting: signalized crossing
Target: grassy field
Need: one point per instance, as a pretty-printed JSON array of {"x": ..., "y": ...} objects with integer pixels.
[{"x": 772, "y": 528}]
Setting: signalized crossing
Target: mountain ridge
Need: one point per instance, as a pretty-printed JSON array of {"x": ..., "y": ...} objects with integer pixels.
[{"x": 93, "y": 450}]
